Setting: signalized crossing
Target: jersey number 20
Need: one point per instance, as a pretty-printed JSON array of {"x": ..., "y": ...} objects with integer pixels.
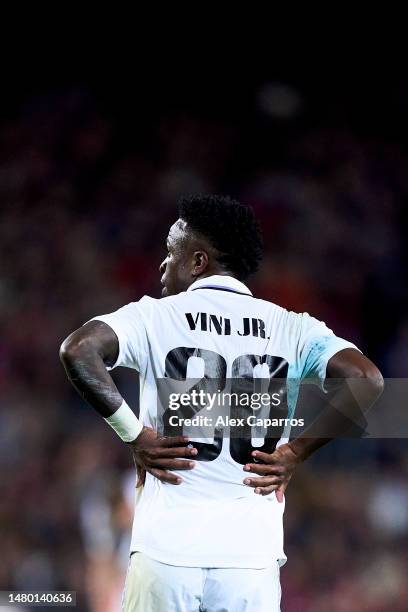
[{"x": 242, "y": 379}]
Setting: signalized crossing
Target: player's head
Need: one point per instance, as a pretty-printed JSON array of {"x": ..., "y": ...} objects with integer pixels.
[{"x": 213, "y": 235}]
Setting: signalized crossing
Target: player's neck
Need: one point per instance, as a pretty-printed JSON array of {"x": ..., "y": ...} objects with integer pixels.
[{"x": 214, "y": 273}]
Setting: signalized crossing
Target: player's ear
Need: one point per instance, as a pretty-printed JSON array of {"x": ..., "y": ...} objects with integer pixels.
[{"x": 200, "y": 262}]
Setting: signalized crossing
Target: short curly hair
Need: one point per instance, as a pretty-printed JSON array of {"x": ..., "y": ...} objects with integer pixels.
[{"x": 230, "y": 227}]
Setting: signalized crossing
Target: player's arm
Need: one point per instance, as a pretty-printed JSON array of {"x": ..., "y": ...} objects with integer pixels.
[
  {"x": 85, "y": 354},
  {"x": 346, "y": 405},
  {"x": 343, "y": 408}
]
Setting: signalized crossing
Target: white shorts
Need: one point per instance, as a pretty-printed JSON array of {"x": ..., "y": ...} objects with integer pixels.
[{"x": 152, "y": 586}]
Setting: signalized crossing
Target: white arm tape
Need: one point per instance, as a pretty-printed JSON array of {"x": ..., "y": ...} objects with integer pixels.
[{"x": 125, "y": 423}]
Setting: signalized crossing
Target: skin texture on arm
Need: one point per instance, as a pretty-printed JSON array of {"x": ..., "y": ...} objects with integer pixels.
[
  {"x": 85, "y": 354},
  {"x": 280, "y": 465}
]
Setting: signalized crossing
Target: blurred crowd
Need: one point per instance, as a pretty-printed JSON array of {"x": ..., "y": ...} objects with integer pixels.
[{"x": 84, "y": 216}]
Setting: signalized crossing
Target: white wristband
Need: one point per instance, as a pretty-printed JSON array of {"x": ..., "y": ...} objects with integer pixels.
[{"x": 125, "y": 423}]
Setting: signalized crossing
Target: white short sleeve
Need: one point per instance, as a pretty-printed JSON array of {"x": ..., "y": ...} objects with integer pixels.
[
  {"x": 129, "y": 324},
  {"x": 318, "y": 344}
]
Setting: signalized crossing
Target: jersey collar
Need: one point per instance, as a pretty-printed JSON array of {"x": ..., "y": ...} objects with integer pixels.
[{"x": 219, "y": 281}]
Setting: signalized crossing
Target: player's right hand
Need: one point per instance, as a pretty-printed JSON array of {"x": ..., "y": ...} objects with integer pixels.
[{"x": 158, "y": 454}]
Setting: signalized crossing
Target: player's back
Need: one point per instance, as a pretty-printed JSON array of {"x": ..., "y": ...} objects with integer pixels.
[
  {"x": 215, "y": 331},
  {"x": 215, "y": 334}
]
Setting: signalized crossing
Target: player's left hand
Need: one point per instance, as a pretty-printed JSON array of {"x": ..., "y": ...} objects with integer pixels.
[{"x": 276, "y": 471}]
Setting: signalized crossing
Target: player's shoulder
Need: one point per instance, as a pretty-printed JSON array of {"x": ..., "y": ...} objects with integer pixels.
[
  {"x": 292, "y": 321},
  {"x": 277, "y": 310}
]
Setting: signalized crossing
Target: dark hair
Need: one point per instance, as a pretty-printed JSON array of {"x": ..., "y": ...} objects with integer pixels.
[{"x": 230, "y": 227}]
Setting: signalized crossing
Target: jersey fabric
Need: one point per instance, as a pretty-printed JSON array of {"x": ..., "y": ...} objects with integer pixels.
[{"x": 212, "y": 519}]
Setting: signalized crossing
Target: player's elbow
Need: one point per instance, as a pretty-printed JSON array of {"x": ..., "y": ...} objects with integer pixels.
[
  {"x": 350, "y": 364},
  {"x": 67, "y": 351},
  {"x": 73, "y": 348},
  {"x": 373, "y": 376}
]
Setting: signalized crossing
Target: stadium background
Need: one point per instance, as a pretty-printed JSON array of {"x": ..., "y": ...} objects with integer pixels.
[{"x": 90, "y": 172}]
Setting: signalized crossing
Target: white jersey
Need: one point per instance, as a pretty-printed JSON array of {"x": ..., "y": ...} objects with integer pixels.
[{"x": 213, "y": 519}]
